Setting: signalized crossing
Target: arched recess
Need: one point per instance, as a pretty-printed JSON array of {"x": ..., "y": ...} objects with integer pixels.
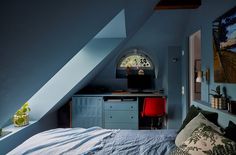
[{"x": 135, "y": 62}]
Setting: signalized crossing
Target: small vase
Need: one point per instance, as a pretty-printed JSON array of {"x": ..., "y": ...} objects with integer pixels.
[{"x": 21, "y": 120}]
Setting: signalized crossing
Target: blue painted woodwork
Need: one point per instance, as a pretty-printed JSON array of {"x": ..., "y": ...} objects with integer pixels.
[
  {"x": 90, "y": 111},
  {"x": 121, "y": 114},
  {"x": 86, "y": 111}
]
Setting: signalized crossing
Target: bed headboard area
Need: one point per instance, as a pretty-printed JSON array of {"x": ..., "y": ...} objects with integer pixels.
[{"x": 223, "y": 115}]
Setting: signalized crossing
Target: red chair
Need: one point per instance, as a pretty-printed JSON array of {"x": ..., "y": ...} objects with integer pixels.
[{"x": 154, "y": 107}]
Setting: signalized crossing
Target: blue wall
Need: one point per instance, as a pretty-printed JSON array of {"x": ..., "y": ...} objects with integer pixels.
[
  {"x": 163, "y": 29},
  {"x": 174, "y": 87},
  {"x": 201, "y": 19},
  {"x": 38, "y": 38}
]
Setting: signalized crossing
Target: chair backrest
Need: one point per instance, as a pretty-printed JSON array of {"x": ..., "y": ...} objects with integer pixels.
[{"x": 154, "y": 106}]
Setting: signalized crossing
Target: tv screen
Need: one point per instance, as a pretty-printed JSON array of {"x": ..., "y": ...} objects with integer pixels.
[{"x": 140, "y": 82}]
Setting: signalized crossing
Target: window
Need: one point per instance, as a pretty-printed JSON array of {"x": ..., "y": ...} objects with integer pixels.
[{"x": 134, "y": 63}]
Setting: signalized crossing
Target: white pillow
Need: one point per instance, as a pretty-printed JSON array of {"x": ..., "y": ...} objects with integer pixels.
[
  {"x": 205, "y": 140},
  {"x": 191, "y": 126}
]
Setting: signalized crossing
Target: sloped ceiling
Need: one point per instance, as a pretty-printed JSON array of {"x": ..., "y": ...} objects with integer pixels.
[{"x": 38, "y": 38}]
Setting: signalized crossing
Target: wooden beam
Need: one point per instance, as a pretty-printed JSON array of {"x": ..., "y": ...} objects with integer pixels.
[{"x": 178, "y": 4}]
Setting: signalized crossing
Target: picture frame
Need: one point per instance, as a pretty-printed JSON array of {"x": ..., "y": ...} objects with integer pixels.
[{"x": 224, "y": 47}]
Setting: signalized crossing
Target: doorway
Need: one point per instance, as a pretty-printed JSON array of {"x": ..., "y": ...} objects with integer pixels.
[{"x": 194, "y": 65}]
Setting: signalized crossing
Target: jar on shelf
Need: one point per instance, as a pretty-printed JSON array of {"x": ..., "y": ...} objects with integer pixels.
[{"x": 21, "y": 120}]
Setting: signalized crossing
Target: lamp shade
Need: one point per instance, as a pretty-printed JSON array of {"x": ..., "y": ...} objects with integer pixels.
[
  {"x": 199, "y": 76},
  {"x": 199, "y": 79}
]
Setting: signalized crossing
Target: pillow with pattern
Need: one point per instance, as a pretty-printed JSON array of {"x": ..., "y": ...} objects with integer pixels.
[
  {"x": 177, "y": 151},
  {"x": 206, "y": 141},
  {"x": 191, "y": 126}
]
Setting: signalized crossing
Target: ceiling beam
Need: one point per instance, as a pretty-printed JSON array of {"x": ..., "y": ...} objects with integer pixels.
[{"x": 177, "y": 4}]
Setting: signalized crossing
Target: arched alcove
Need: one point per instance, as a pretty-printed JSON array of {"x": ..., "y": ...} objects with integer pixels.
[{"x": 135, "y": 62}]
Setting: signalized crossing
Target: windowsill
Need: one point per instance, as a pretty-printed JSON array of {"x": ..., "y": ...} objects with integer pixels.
[{"x": 11, "y": 129}]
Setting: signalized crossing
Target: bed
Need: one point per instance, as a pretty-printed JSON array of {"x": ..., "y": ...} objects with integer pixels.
[
  {"x": 95, "y": 140},
  {"x": 200, "y": 134}
]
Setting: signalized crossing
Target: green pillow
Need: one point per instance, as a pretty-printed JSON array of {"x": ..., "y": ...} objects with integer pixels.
[
  {"x": 194, "y": 111},
  {"x": 230, "y": 131}
]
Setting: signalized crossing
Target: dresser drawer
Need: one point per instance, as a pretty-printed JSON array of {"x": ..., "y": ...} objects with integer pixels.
[
  {"x": 124, "y": 105},
  {"x": 121, "y": 116},
  {"x": 129, "y": 126}
]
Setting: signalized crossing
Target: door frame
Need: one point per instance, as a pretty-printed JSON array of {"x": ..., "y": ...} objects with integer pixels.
[{"x": 192, "y": 52}]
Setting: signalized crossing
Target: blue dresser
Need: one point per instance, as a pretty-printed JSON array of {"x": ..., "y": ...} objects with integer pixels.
[
  {"x": 113, "y": 111},
  {"x": 121, "y": 114}
]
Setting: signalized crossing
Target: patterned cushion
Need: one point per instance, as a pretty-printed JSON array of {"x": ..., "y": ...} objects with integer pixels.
[
  {"x": 206, "y": 141},
  {"x": 178, "y": 151},
  {"x": 191, "y": 126}
]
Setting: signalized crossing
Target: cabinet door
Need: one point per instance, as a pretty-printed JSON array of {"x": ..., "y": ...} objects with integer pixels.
[{"x": 86, "y": 111}]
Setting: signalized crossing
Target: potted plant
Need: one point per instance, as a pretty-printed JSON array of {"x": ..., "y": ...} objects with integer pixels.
[
  {"x": 21, "y": 117},
  {"x": 218, "y": 100}
]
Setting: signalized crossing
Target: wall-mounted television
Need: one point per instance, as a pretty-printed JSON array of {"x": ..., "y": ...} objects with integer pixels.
[{"x": 140, "y": 83}]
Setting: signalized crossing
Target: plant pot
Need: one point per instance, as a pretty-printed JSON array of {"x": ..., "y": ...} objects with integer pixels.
[
  {"x": 20, "y": 120},
  {"x": 218, "y": 103}
]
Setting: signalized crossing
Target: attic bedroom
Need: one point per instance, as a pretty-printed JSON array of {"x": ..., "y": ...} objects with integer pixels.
[{"x": 118, "y": 77}]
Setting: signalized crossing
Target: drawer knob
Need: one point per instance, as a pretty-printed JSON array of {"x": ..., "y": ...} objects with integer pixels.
[
  {"x": 131, "y": 106},
  {"x": 110, "y": 116},
  {"x": 132, "y": 117},
  {"x": 110, "y": 106}
]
